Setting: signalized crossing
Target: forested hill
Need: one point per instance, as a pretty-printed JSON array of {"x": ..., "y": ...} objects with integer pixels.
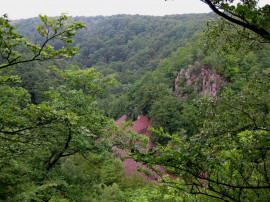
[
  {"x": 205, "y": 93},
  {"x": 132, "y": 45},
  {"x": 128, "y": 45}
]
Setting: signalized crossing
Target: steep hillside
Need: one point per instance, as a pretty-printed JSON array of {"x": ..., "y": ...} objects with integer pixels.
[
  {"x": 128, "y": 46},
  {"x": 169, "y": 95},
  {"x": 146, "y": 54}
]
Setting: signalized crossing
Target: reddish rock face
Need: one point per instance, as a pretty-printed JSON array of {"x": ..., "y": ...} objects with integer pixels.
[
  {"x": 204, "y": 81},
  {"x": 121, "y": 119},
  {"x": 140, "y": 126}
]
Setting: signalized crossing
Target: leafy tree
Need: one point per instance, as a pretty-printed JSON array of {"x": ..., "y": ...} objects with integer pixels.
[
  {"x": 165, "y": 112},
  {"x": 242, "y": 26},
  {"x": 164, "y": 193},
  {"x": 60, "y": 149},
  {"x": 36, "y": 138},
  {"x": 229, "y": 158},
  {"x": 52, "y": 29},
  {"x": 148, "y": 94},
  {"x": 246, "y": 14},
  {"x": 111, "y": 193},
  {"x": 39, "y": 136}
]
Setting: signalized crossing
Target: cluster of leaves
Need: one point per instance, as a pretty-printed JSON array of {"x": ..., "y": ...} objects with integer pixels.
[
  {"x": 247, "y": 18},
  {"x": 59, "y": 149},
  {"x": 241, "y": 26},
  {"x": 56, "y": 28},
  {"x": 128, "y": 45},
  {"x": 37, "y": 137},
  {"x": 229, "y": 158},
  {"x": 154, "y": 94}
]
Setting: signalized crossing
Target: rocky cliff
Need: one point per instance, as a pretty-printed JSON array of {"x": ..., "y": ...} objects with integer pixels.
[
  {"x": 140, "y": 126},
  {"x": 197, "y": 79}
]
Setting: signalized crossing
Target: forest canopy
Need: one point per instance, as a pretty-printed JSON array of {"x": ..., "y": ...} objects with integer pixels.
[{"x": 204, "y": 87}]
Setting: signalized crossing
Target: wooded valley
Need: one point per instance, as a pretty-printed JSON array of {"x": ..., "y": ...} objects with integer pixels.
[{"x": 200, "y": 81}]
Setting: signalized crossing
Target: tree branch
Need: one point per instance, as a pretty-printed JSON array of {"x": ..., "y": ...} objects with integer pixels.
[
  {"x": 59, "y": 154},
  {"x": 260, "y": 31}
]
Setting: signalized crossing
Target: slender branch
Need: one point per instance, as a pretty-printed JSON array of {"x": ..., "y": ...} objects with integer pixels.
[
  {"x": 247, "y": 36},
  {"x": 35, "y": 57},
  {"x": 70, "y": 154},
  {"x": 263, "y": 154},
  {"x": 199, "y": 192},
  {"x": 60, "y": 154},
  {"x": 195, "y": 174},
  {"x": 14, "y": 132},
  {"x": 260, "y": 31}
]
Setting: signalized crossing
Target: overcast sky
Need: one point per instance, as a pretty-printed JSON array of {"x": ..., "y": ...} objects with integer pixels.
[{"x": 17, "y": 9}]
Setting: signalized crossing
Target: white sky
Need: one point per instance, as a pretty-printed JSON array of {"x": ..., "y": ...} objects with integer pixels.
[{"x": 18, "y": 9}]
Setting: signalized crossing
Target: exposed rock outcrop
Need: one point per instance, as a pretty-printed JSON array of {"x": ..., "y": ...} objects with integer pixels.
[
  {"x": 140, "y": 126},
  {"x": 198, "y": 78}
]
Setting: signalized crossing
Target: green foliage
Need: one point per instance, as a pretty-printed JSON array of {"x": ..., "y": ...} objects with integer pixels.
[
  {"x": 111, "y": 193},
  {"x": 38, "y": 141},
  {"x": 164, "y": 192},
  {"x": 55, "y": 141},
  {"x": 132, "y": 182},
  {"x": 117, "y": 106},
  {"x": 228, "y": 158},
  {"x": 148, "y": 94},
  {"x": 165, "y": 109},
  {"x": 55, "y": 28},
  {"x": 37, "y": 137},
  {"x": 165, "y": 113},
  {"x": 249, "y": 20},
  {"x": 112, "y": 172}
]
